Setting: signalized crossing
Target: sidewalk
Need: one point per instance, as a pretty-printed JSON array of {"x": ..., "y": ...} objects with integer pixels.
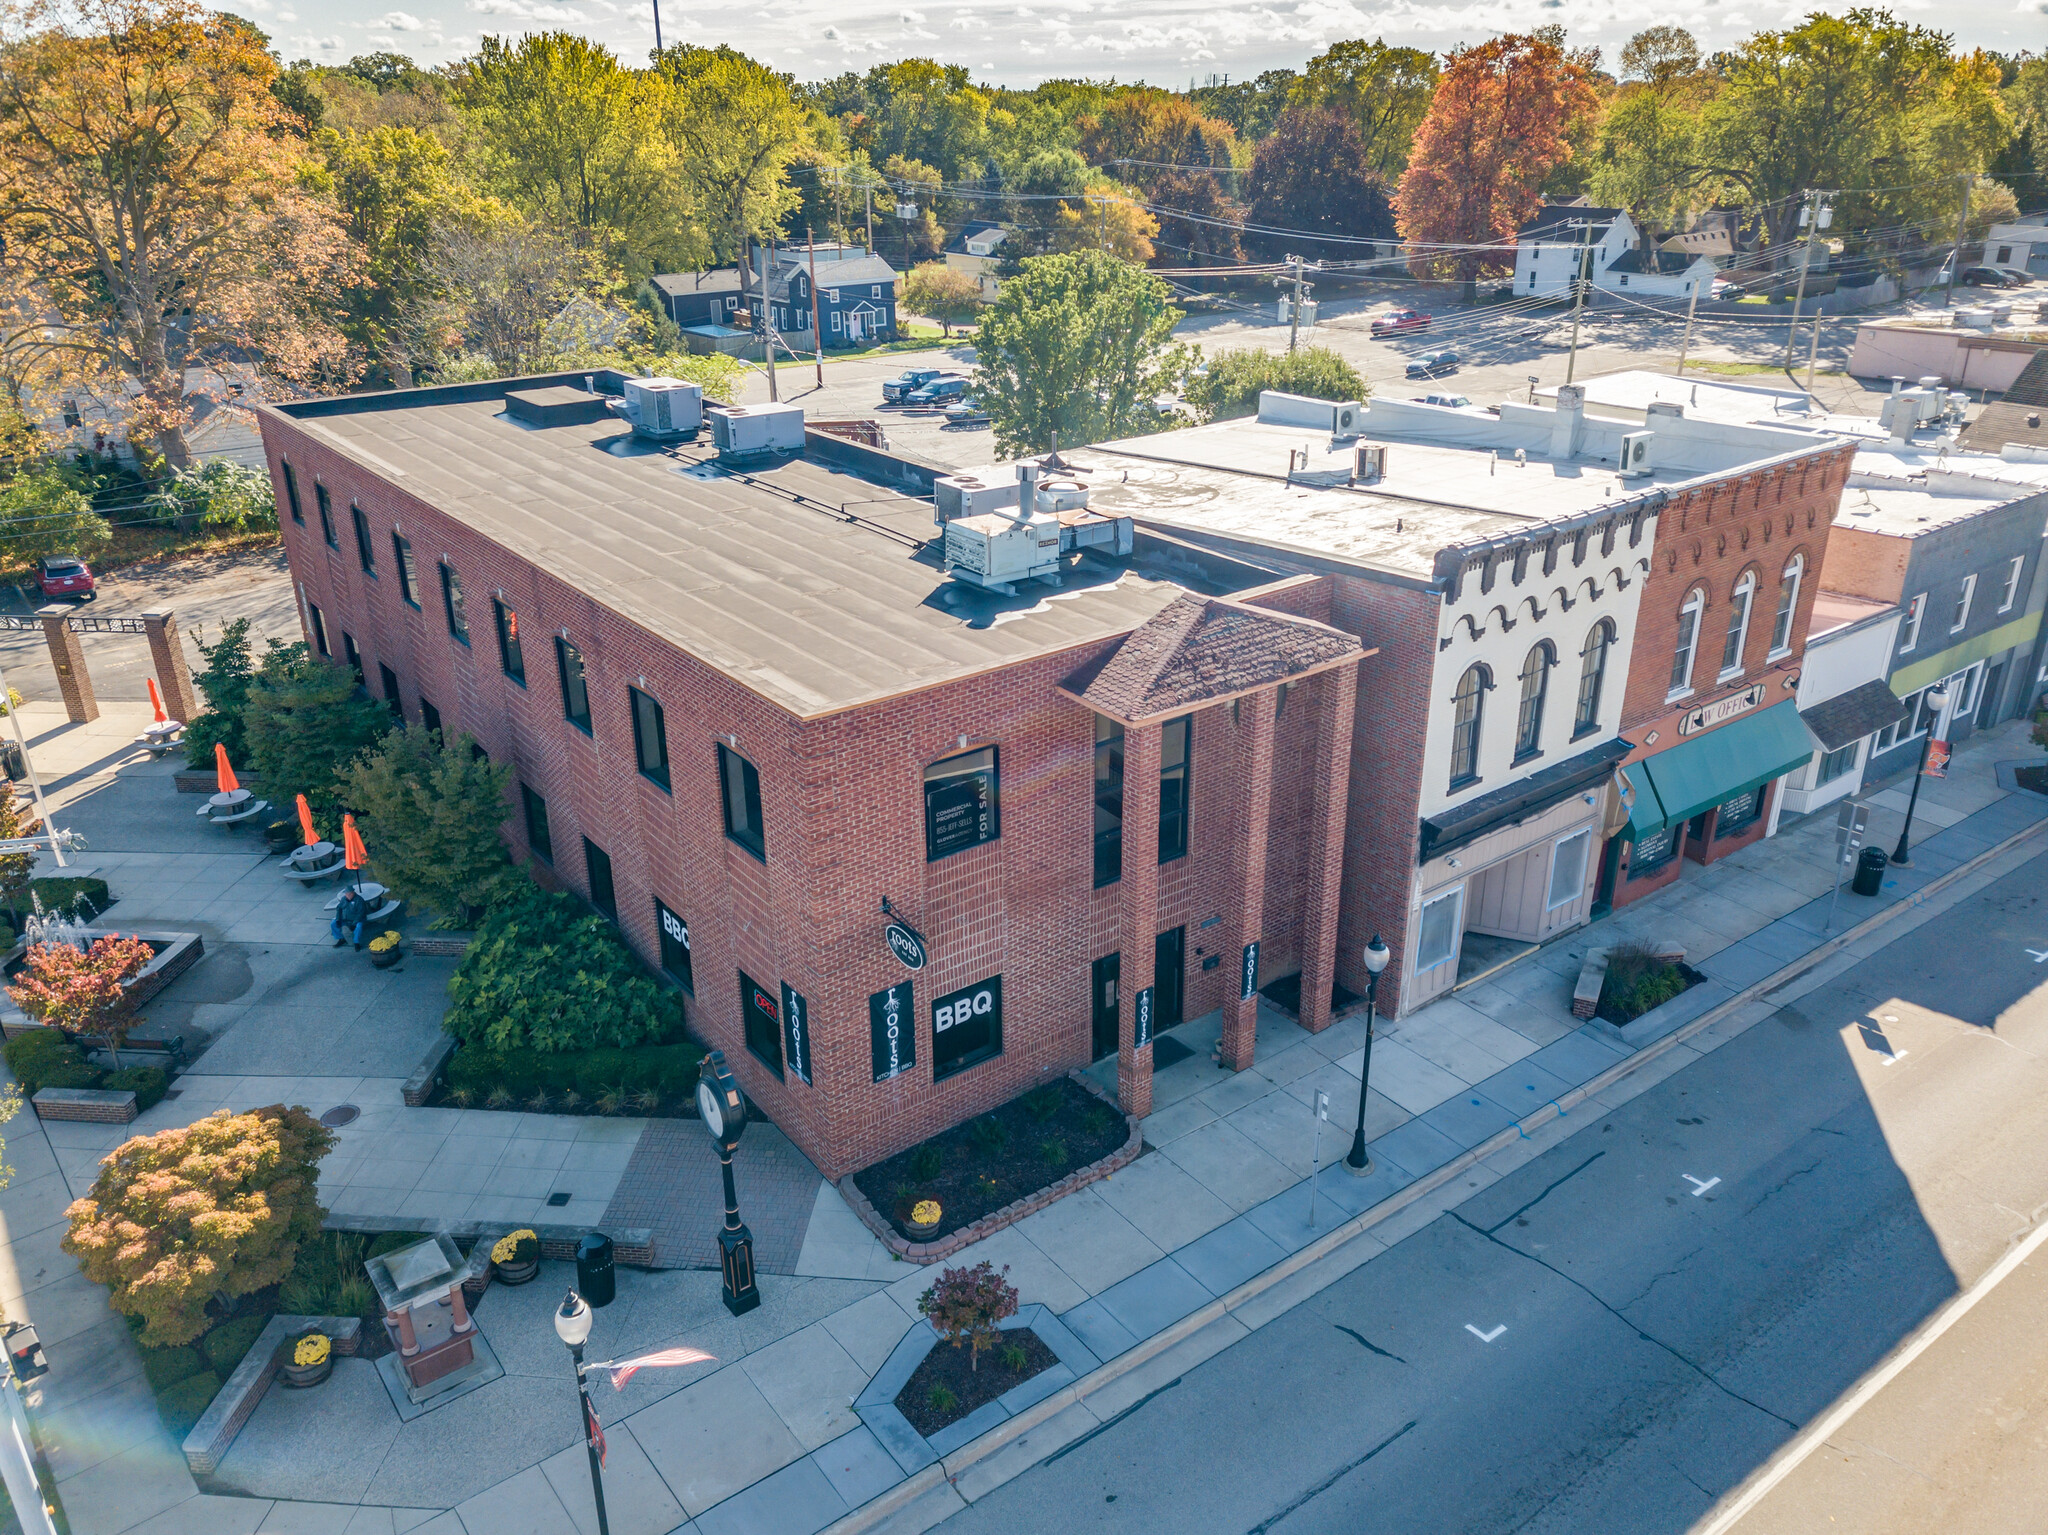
[{"x": 1205, "y": 1237}]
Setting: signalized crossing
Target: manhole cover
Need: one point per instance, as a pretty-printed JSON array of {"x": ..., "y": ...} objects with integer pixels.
[{"x": 342, "y": 1114}]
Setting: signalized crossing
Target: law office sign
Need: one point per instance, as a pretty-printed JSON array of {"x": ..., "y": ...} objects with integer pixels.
[{"x": 1722, "y": 710}]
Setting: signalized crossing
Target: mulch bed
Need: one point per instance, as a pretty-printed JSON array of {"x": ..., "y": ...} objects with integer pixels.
[
  {"x": 2035, "y": 778},
  {"x": 996, "y": 1158},
  {"x": 949, "y": 1367}
]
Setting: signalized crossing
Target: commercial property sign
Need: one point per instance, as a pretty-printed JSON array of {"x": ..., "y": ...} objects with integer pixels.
[
  {"x": 796, "y": 1032},
  {"x": 1721, "y": 710},
  {"x": 905, "y": 945},
  {"x": 893, "y": 1040}
]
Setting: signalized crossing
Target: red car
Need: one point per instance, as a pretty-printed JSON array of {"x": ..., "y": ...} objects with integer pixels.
[
  {"x": 1399, "y": 320},
  {"x": 65, "y": 575}
]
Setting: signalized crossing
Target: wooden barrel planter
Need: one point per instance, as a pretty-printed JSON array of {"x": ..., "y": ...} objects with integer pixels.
[{"x": 295, "y": 1376}]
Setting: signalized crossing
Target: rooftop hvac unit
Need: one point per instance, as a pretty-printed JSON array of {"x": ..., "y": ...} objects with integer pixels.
[
  {"x": 1635, "y": 453},
  {"x": 749, "y": 431},
  {"x": 970, "y": 495},
  {"x": 1061, "y": 495},
  {"x": 1346, "y": 419},
  {"x": 1340, "y": 418},
  {"x": 1369, "y": 463},
  {"x": 995, "y": 552},
  {"x": 664, "y": 407}
]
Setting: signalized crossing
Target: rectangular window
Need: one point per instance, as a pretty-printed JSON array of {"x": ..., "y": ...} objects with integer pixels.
[
  {"x": 366, "y": 553},
  {"x": 597, "y": 865},
  {"x": 1836, "y": 763},
  {"x": 1175, "y": 740},
  {"x": 451, "y": 601},
  {"x": 2012, "y": 583},
  {"x": 389, "y": 679},
  {"x": 967, "y": 1027},
  {"x": 1652, "y": 853},
  {"x": 1438, "y": 942},
  {"x": 675, "y": 945},
  {"x": 319, "y": 628},
  {"x": 960, "y": 805},
  {"x": 1737, "y": 815},
  {"x": 510, "y": 656},
  {"x": 763, "y": 1018},
  {"x": 291, "y": 493},
  {"x": 326, "y": 515},
  {"x": 650, "y": 738},
  {"x": 353, "y": 656},
  {"x": 1568, "y": 868},
  {"x": 575, "y": 695},
  {"x": 739, "y": 787},
  {"x": 835, "y": 322},
  {"x": 1109, "y": 801},
  {"x": 1909, "y": 633},
  {"x": 408, "y": 573},
  {"x": 429, "y": 715},
  {"x": 1963, "y": 603},
  {"x": 537, "y": 837}
]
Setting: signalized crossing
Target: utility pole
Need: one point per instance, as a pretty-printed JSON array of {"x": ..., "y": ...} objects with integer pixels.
[
  {"x": 1808, "y": 220},
  {"x": 868, "y": 234},
  {"x": 767, "y": 323},
  {"x": 1580, "y": 284},
  {"x": 1691, "y": 306},
  {"x": 1294, "y": 314},
  {"x": 817, "y": 322},
  {"x": 657, "y": 29},
  {"x": 1955, "y": 260}
]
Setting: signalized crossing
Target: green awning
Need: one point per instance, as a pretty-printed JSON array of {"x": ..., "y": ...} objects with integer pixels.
[
  {"x": 1701, "y": 773},
  {"x": 1645, "y": 813}
]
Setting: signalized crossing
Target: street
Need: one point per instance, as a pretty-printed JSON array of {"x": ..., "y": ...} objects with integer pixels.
[{"x": 1618, "y": 1334}]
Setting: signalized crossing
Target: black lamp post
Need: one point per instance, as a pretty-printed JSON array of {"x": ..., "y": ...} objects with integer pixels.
[
  {"x": 572, "y": 1324},
  {"x": 1937, "y": 701},
  {"x": 1375, "y": 961},
  {"x": 724, "y": 1113}
]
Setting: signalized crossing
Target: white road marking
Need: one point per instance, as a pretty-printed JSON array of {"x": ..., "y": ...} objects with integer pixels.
[
  {"x": 1699, "y": 1188},
  {"x": 1818, "y": 1433},
  {"x": 1486, "y": 1337},
  {"x": 1896, "y": 1055},
  {"x": 2037, "y": 955}
]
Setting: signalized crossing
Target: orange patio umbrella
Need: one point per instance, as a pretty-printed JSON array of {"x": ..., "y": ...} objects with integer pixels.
[
  {"x": 156, "y": 703},
  {"x": 354, "y": 854},
  {"x": 306, "y": 822},
  {"x": 225, "y": 775}
]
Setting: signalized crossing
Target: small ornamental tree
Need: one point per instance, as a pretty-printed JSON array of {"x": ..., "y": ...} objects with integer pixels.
[
  {"x": 967, "y": 1304},
  {"x": 430, "y": 813},
  {"x": 937, "y": 292},
  {"x": 305, "y": 721},
  {"x": 184, "y": 1218},
  {"x": 80, "y": 991}
]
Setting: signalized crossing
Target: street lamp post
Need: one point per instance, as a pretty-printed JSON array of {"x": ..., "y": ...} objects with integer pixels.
[
  {"x": 1938, "y": 702},
  {"x": 1376, "y": 954},
  {"x": 724, "y": 1113},
  {"x": 572, "y": 1324}
]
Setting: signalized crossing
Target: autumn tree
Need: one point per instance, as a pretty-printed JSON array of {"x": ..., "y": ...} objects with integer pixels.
[
  {"x": 733, "y": 126},
  {"x": 1105, "y": 219},
  {"x": 1310, "y": 173},
  {"x": 493, "y": 286},
  {"x": 937, "y": 292},
  {"x": 152, "y": 192},
  {"x": 1210, "y": 227},
  {"x": 80, "y": 990},
  {"x": 185, "y": 1219},
  {"x": 1143, "y": 135},
  {"x": 1385, "y": 91},
  {"x": 914, "y": 185},
  {"x": 1494, "y": 132},
  {"x": 17, "y": 820}
]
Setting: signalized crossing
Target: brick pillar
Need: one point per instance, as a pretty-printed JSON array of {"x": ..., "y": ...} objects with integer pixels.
[
  {"x": 1254, "y": 793},
  {"x": 68, "y": 657},
  {"x": 173, "y": 676},
  {"x": 1138, "y": 932},
  {"x": 1336, "y": 705}
]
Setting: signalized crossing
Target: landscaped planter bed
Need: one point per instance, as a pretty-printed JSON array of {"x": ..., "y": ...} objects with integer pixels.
[
  {"x": 1663, "y": 981},
  {"x": 643, "y": 1081},
  {"x": 947, "y": 1369}
]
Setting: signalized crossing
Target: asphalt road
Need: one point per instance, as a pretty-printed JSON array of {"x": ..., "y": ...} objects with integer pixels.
[{"x": 1678, "y": 1289}]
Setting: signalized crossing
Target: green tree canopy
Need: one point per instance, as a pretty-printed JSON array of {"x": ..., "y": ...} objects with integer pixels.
[
  {"x": 305, "y": 721},
  {"x": 733, "y": 126},
  {"x": 1385, "y": 91},
  {"x": 430, "y": 813},
  {"x": 1310, "y": 173},
  {"x": 1232, "y": 381}
]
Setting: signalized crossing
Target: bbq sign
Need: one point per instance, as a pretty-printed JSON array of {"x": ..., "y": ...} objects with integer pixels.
[
  {"x": 895, "y": 1047},
  {"x": 967, "y": 1026}
]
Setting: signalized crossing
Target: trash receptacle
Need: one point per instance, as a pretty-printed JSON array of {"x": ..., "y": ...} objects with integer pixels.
[
  {"x": 10, "y": 761},
  {"x": 596, "y": 1279},
  {"x": 1870, "y": 867}
]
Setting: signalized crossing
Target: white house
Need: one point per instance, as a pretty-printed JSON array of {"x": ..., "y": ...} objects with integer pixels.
[
  {"x": 1547, "y": 255},
  {"x": 975, "y": 250},
  {"x": 1842, "y": 696},
  {"x": 2022, "y": 245}
]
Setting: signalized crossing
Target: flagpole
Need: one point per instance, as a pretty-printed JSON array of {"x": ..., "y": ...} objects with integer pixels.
[{"x": 590, "y": 1432}]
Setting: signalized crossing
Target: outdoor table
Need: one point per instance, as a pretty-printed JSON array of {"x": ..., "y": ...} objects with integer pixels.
[
  {"x": 370, "y": 893},
  {"x": 312, "y": 855},
  {"x": 231, "y": 801}
]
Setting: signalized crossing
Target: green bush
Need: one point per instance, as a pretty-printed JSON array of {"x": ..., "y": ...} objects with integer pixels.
[
  {"x": 1234, "y": 379},
  {"x": 63, "y": 893},
  {"x": 147, "y": 1083},
  {"x": 41, "y": 1058},
  {"x": 163, "y": 1368},
  {"x": 8, "y": 937},
  {"x": 227, "y": 1343},
  {"x": 393, "y": 1241},
  {"x": 667, "y": 1070},
  {"x": 185, "y": 1403}
]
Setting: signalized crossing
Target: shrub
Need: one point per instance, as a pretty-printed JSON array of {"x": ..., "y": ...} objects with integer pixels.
[
  {"x": 545, "y": 974},
  {"x": 163, "y": 1368},
  {"x": 1637, "y": 980},
  {"x": 941, "y": 1399},
  {"x": 988, "y": 1135},
  {"x": 147, "y": 1083},
  {"x": 1013, "y": 1356},
  {"x": 966, "y": 1305},
  {"x": 1054, "y": 1151},
  {"x": 17, "y": 819},
  {"x": 213, "y": 1210},
  {"x": 185, "y": 1403},
  {"x": 1234, "y": 379},
  {"x": 430, "y": 811},
  {"x": 306, "y": 720},
  {"x": 69, "y": 895},
  {"x": 43, "y": 1058},
  {"x": 80, "y": 992},
  {"x": 227, "y": 1343},
  {"x": 225, "y": 684},
  {"x": 926, "y": 1162},
  {"x": 393, "y": 1241},
  {"x": 323, "y": 1276},
  {"x": 1041, "y": 1103}
]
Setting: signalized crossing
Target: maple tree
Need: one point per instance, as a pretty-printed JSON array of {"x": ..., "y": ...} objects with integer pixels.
[
  {"x": 80, "y": 990},
  {"x": 966, "y": 1306}
]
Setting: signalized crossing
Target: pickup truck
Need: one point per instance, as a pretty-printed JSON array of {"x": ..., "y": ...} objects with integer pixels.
[{"x": 895, "y": 390}]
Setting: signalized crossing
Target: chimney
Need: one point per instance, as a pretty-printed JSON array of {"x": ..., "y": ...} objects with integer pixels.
[{"x": 1570, "y": 419}]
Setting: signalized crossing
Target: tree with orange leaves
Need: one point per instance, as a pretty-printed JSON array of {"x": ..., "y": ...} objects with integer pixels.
[
  {"x": 157, "y": 197},
  {"x": 1494, "y": 131}
]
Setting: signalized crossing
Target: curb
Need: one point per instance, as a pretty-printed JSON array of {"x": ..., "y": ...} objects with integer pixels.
[{"x": 949, "y": 1468}]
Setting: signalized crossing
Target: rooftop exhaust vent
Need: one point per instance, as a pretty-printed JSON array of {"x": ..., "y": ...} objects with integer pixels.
[{"x": 559, "y": 405}]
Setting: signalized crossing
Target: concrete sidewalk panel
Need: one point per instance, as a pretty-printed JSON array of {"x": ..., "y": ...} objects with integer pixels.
[
  {"x": 1152, "y": 1299},
  {"x": 1231, "y": 1254},
  {"x": 636, "y": 1500},
  {"x": 1467, "y": 1119},
  {"x": 1164, "y": 1201},
  {"x": 1415, "y": 1148},
  {"x": 857, "y": 1466},
  {"x": 1105, "y": 1336}
]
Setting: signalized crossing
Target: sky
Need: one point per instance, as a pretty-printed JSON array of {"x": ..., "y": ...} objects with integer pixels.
[{"x": 1165, "y": 42}]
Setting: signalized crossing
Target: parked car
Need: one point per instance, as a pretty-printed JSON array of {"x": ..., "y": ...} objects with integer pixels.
[
  {"x": 1433, "y": 364},
  {"x": 900, "y": 387},
  {"x": 1398, "y": 320},
  {"x": 1987, "y": 277},
  {"x": 1454, "y": 401},
  {"x": 65, "y": 575},
  {"x": 1724, "y": 287},
  {"x": 2015, "y": 277},
  {"x": 939, "y": 391},
  {"x": 966, "y": 411}
]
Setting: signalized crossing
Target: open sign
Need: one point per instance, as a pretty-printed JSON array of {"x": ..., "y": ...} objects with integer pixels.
[{"x": 967, "y": 1026}]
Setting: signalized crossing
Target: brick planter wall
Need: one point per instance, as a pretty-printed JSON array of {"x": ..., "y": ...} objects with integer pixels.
[
  {"x": 92, "y": 1104},
  {"x": 207, "y": 1445}
]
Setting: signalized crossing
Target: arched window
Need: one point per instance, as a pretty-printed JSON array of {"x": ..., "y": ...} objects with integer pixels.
[
  {"x": 1788, "y": 603},
  {"x": 1535, "y": 685},
  {"x": 1466, "y": 704},
  {"x": 1592, "y": 673},
  {"x": 1739, "y": 603},
  {"x": 1688, "y": 640}
]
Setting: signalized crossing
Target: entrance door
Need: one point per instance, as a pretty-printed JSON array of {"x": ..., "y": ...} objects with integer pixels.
[
  {"x": 1102, "y": 981},
  {"x": 1987, "y": 706},
  {"x": 1168, "y": 958}
]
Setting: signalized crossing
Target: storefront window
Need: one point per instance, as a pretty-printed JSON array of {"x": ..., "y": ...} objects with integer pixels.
[
  {"x": 763, "y": 1020},
  {"x": 1738, "y": 814},
  {"x": 1653, "y": 852},
  {"x": 1438, "y": 943},
  {"x": 1837, "y": 762},
  {"x": 1568, "y": 868},
  {"x": 967, "y": 1027}
]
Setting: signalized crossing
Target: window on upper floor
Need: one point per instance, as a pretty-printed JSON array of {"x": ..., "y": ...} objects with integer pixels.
[
  {"x": 1535, "y": 688},
  {"x": 1687, "y": 647},
  {"x": 366, "y": 553},
  {"x": 1467, "y": 704},
  {"x": 2012, "y": 583},
  {"x": 1740, "y": 602},
  {"x": 1909, "y": 631},
  {"x": 960, "y": 803},
  {"x": 511, "y": 655},
  {"x": 291, "y": 493},
  {"x": 1592, "y": 677},
  {"x": 1963, "y": 599},
  {"x": 326, "y": 515},
  {"x": 575, "y": 691},
  {"x": 1109, "y": 801},
  {"x": 537, "y": 835},
  {"x": 452, "y": 604},
  {"x": 408, "y": 573},
  {"x": 650, "y": 738},
  {"x": 1176, "y": 743},
  {"x": 1788, "y": 605}
]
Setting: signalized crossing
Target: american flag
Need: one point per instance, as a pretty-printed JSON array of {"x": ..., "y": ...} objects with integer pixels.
[{"x": 624, "y": 1370}]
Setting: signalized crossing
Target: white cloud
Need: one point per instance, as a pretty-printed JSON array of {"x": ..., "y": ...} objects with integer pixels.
[
  {"x": 401, "y": 21},
  {"x": 319, "y": 44}
]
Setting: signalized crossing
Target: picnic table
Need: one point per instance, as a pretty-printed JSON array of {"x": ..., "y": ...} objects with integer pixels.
[
  {"x": 232, "y": 808},
  {"x": 314, "y": 860},
  {"x": 373, "y": 894},
  {"x": 160, "y": 738}
]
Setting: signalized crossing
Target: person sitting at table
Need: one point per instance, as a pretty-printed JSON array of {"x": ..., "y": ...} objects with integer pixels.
[{"x": 349, "y": 918}]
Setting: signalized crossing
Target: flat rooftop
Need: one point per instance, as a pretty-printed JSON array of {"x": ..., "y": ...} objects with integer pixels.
[
  {"x": 1634, "y": 390},
  {"x": 1835, "y": 611},
  {"x": 808, "y": 583}
]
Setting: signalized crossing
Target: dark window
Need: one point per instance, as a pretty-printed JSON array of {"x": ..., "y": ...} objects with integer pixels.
[
  {"x": 597, "y": 863},
  {"x": 763, "y": 1018},
  {"x": 967, "y": 1027},
  {"x": 389, "y": 679},
  {"x": 510, "y": 656},
  {"x": 739, "y": 785},
  {"x": 575, "y": 695},
  {"x": 291, "y": 493},
  {"x": 1109, "y": 801},
  {"x": 675, "y": 945},
  {"x": 365, "y": 551},
  {"x": 1465, "y": 726},
  {"x": 1837, "y": 762},
  {"x": 1653, "y": 852},
  {"x": 451, "y": 600},
  {"x": 1529, "y": 714},
  {"x": 1738, "y": 814},
  {"x": 326, "y": 515},
  {"x": 650, "y": 738},
  {"x": 353, "y": 656},
  {"x": 537, "y": 837},
  {"x": 408, "y": 573},
  {"x": 429, "y": 715},
  {"x": 1592, "y": 673},
  {"x": 319, "y": 627},
  {"x": 1175, "y": 739},
  {"x": 960, "y": 803}
]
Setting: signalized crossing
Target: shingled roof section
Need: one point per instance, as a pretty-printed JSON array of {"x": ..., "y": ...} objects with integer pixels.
[
  {"x": 2031, "y": 387},
  {"x": 1205, "y": 650}
]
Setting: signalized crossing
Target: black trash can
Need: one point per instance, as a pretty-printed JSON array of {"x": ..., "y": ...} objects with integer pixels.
[
  {"x": 1870, "y": 867},
  {"x": 10, "y": 761},
  {"x": 596, "y": 1279}
]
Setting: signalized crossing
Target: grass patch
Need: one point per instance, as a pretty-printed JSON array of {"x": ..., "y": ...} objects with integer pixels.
[{"x": 1754, "y": 369}]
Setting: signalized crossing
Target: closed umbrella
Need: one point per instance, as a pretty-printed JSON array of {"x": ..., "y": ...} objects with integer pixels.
[
  {"x": 353, "y": 851},
  {"x": 306, "y": 822},
  {"x": 156, "y": 702},
  {"x": 225, "y": 780}
]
